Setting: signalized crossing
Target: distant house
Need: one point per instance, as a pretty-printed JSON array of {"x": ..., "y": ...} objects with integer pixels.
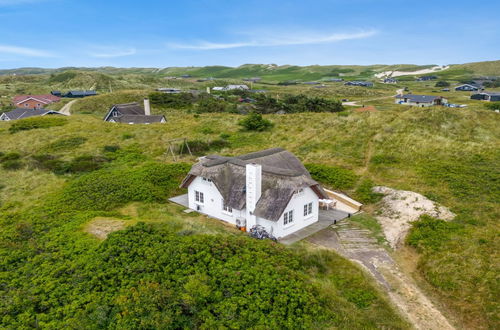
[
  {"x": 168, "y": 90},
  {"x": 420, "y": 100},
  {"x": 79, "y": 94},
  {"x": 270, "y": 188},
  {"x": 390, "y": 80},
  {"x": 445, "y": 90},
  {"x": 233, "y": 87},
  {"x": 426, "y": 78},
  {"x": 486, "y": 96},
  {"x": 56, "y": 93},
  {"x": 21, "y": 113},
  {"x": 311, "y": 83},
  {"x": 467, "y": 88},
  {"x": 218, "y": 88},
  {"x": 254, "y": 79},
  {"x": 359, "y": 83},
  {"x": 186, "y": 76},
  {"x": 133, "y": 113},
  {"x": 34, "y": 101}
]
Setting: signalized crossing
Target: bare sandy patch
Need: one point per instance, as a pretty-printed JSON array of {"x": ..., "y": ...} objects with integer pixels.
[
  {"x": 400, "y": 208},
  {"x": 102, "y": 227}
]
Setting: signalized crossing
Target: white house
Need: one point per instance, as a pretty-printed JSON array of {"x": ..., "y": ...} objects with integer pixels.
[
  {"x": 270, "y": 188},
  {"x": 420, "y": 100},
  {"x": 233, "y": 87}
]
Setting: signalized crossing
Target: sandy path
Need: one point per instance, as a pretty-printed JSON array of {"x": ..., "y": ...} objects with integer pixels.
[
  {"x": 67, "y": 108},
  {"x": 358, "y": 245}
]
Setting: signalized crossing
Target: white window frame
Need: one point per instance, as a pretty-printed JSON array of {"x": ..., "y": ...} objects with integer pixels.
[
  {"x": 226, "y": 208},
  {"x": 207, "y": 180},
  {"x": 199, "y": 197},
  {"x": 308, "y": 210},
  {"x": 288, "y": 218}
]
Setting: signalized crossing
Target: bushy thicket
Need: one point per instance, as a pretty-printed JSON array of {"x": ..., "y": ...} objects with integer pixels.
[
  {"x": 175, "y": 101},
  {"x": 332, "y": 176},
  {"x": 296, "y": 104},
  {"x": 149, "y": 276},
  {"x": 255, "y": 122},
  {"x": 429, "y": 234},
  {"x": 37, "y": 122},
  {"x": 492, "y": 105}
]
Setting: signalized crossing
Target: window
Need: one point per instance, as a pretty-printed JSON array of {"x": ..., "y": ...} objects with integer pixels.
[
  {"x": 226, "y": 208},
  {"x": 308, "y": 209},
  {"x": 198, "y": 197},
  {"x": 288, "y": 217},
  {"x": 115, "y": 114},
  {"x": 208, "y": 180}
]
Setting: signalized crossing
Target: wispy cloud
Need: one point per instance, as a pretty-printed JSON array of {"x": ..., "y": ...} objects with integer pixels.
[
  {"x": 110, "y": 53},
  {"x": 18, "y": 2},
  {"x": 23, "y": 51},
  {"x": 278, "y": 40}
]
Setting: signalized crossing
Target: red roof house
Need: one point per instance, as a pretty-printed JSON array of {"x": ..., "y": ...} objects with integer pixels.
[{"x": 34, "y": 101}]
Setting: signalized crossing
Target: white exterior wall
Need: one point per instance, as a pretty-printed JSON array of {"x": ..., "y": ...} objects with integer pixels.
[
  {"x": 213, "y": 201},
  {"x": 296, "y": 204},
  {"x": 212, "y": 207}
]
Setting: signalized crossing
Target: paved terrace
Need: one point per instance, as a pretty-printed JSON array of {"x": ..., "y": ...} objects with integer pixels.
[{"x": 326, "y": 219}]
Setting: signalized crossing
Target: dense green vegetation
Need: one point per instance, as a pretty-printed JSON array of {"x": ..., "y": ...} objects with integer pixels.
[
  {"x": 57, "y": 180},
  {"x": 161, "y": 275},
  {"x": 36, "y": 122}
]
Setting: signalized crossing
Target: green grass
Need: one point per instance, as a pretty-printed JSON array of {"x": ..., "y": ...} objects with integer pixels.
[{"x": 449, "y": 155}]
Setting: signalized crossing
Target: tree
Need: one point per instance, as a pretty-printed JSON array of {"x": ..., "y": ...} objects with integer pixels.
[{"x": 254, "y": 122}]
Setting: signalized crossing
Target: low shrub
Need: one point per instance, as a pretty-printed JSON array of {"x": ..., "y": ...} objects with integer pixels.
[
  {"x": 12, "y": 164},
  {"x": 492, "y": 105},
  {"x": 254, "y": 122},
  {"x": 65, "y": 144},
  {"x": 430, "y": 234},
  {"x": 384, "y": 159},
  {"x": 113, "y": 148},
  {"x": 9, "y": 156},
  {"x": 36, "y": 122},
  {"x": 127, "y": 136},
  {"x": 365, "y": 194},
  {"x": 79, "y": 164},
  {"x": 199, "y": 147},
  {"x": 332, "y": 176},
  {"x": 108, "y": 188}
]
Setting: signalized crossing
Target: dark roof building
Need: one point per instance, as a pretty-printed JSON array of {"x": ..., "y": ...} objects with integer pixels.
[
  {"x": 486, "y": 96},
  {"x": 359, "y": 83},
  {"x": 426, "y": 78},
  {"x": 21, "y": 113},
  {"x": 467, "y": 88},
  {"x": 77, "y": 94},
  {"x": 420, "y": 100},
  {"x": 133, "y": 113}
]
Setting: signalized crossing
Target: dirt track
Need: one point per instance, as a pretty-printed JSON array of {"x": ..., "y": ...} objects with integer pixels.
[{"x": 357, "y": 245}]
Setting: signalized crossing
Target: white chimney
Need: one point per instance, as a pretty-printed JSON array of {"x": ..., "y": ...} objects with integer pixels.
[
  {"x": 147, "y": 107},
  {"x": 208, "y": 90},
  {"x": 253, "y": 192}
]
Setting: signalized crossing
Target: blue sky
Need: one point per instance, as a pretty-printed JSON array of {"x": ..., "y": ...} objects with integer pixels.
[{"x": 56, "y": 33}]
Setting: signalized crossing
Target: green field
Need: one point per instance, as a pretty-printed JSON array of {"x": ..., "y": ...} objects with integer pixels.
[{"x": 164, "y": 269}]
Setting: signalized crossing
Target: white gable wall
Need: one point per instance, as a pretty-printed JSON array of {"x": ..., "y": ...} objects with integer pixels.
[
  {"x": 212, "y": 207},
  {"x": 297, "y": 202}
]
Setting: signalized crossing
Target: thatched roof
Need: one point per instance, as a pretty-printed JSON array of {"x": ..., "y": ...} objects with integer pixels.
[
  {"x": 282, "y": 175},
  {"x": 139, "y": 119}
]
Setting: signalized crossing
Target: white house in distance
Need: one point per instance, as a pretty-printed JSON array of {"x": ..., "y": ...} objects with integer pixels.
[
  {"x": 270, "y": 188},
  {"x": 420, "y": 100}
]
